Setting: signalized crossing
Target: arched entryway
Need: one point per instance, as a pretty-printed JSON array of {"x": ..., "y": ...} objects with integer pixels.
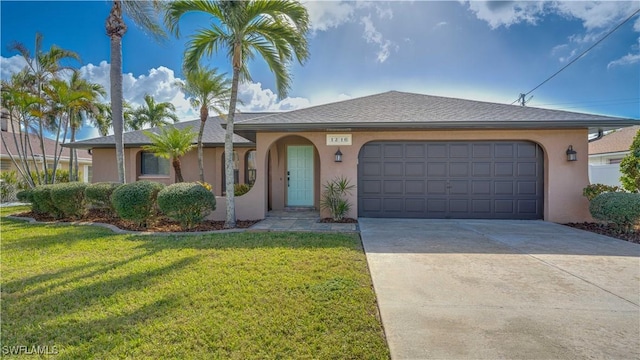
[{"x": 293, "y": 174}]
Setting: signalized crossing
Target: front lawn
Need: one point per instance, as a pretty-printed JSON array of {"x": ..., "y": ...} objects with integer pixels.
[{"x": 87, "y": 293}]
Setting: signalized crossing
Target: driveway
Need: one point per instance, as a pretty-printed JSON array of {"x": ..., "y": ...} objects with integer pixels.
[{"x": 480, "y": 289}]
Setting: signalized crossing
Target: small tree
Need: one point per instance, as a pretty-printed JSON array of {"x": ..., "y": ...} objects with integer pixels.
[
  {"x": 630, "y": 167},
  {"x": 333, "y": 197},
  {"x": 171, "y": 143}
]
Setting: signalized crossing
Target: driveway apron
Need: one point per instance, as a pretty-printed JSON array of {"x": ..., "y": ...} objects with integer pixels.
[{"x": 480, "y": 289}]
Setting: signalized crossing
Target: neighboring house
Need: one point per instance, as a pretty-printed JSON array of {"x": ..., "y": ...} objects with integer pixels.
[
  {"x": 606, "y": 153},
  {"x": 409, "y": 155},
  {"x": 12, "y": 141},
  {"x": 143, "y": 165}
]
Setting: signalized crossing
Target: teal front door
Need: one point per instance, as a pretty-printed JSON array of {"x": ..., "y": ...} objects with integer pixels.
[{"x": 300, "y": 176}]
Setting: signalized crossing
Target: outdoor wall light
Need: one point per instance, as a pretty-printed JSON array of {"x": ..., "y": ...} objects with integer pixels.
[
  {"x": 571, "y": 154},
  {"x": 338, "y": 155}
]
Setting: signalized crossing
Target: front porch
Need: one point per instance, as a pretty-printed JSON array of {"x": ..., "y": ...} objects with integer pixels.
[{"x": 297, "y": 219}]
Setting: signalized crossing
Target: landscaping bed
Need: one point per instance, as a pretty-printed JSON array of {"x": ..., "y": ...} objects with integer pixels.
[
  {"x": 607, "y": 230},
  {"x": 159, "y": 224}
]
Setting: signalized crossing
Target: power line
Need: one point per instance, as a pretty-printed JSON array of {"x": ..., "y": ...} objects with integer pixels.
[{"x": 523, "y": 96}]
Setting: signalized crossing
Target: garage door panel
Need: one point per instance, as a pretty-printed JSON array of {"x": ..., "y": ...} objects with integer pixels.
[
  {"x": 414, "y": 169},
  {"x": 438, "y": 179}
]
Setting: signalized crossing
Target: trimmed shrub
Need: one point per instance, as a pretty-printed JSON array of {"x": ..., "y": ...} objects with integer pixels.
[
  {"x": 99, "y": 194},
  {"x": 24, "y": 195},
  {"x": 8, "y": 186},
  {"x": 240, "y": 189},
  {"x": 69, "y": 198},
  {"x": 188, "y": 203},
  {"x": 42, "y": 203},
  {"x": 593, "y": 190},
  {"x": 619, "y": 209},
  {"x": 136, "y": 201}
]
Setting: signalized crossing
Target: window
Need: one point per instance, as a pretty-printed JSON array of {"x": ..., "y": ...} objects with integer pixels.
[
  {"x": 615, "y": 161},
  {"x": 5, "y": 165},
  {"x": 250, "y": 168},
  {"x": 150, "y": 164}
]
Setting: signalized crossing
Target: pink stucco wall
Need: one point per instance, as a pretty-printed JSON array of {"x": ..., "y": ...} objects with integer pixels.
[{"x": 563, "y": 180}]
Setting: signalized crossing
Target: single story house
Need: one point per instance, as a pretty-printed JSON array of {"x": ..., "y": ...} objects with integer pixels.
[
  {"x": 12, "y": 144},
  {"x": 408, "y": 155},
  {"x": 606, "y": 153}
]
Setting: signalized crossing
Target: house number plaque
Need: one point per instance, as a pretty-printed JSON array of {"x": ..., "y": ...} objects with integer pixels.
[{"x": 338, "y": 139}]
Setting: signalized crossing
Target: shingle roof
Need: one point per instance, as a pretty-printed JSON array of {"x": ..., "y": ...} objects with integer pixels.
[
  {"x": 408, "y": 110},
  {"x": 213, "y": 134},
  {"x": 49, "y": 147},
  {"x": 617, "y": 141}
]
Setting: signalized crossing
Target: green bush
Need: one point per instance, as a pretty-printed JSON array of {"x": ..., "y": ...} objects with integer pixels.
[
  {"x": 136, "y": 201},
  {"x": 240, "y": 189},
  {"x": 188, "y": 203},
  {"x": 619, "y": 209},
  {"x": 25, "y": 195},
  {"x": 42, "y": 203},
  {"x": 593, "y": 190},
  {"x": 333, "y": 197},
  {"x": 69, "y": 198},
  {"x": 99, "y": 194}
]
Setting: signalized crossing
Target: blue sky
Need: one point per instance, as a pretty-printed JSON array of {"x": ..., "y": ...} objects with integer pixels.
[{"x": 489, "y": 51}]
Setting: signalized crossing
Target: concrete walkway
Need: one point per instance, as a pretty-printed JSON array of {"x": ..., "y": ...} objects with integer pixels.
[
  {"x": 299, "y": 220},
  {"x": 475, "y": 289}
]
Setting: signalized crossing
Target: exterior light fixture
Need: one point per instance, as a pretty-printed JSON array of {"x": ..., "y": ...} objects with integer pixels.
[
  {"x": 571, "y": 154},
  {"x": 338, "y": 155}
]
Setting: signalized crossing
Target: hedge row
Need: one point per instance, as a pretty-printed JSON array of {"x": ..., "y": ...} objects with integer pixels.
[
  {"x": 617, "y": 208},
  {"x": 139, "y": 202}
]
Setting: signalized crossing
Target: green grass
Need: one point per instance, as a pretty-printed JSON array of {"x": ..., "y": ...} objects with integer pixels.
[{"x": 93, "y": 294}]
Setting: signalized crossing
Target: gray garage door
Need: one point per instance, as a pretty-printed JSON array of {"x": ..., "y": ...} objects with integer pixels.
[{"x": 463, "y": 180}]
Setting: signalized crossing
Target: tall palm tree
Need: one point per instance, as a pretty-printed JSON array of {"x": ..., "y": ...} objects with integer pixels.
[
  {"x": 88, "y": 108},
  {"x": 41, "y": 67},
  {"x": 276, "y": 30},
  {"x": 63, "y": 101},
  {"x": 142, "y": 13},
  {"x": 153, "y": 114},
  {"x": 206, "y": 90},
  {"x": 171, "y": 143}
]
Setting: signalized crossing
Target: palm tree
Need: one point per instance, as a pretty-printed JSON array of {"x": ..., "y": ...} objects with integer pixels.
[
  {"x": 206, "y": 90},
  {"x": 41, "y": 68},
  {"x": 171, "y": 143},
  {"x": 142, "y": 13},
  {"x": 87, "y": 108},
  {"x": 153, "y": 114},
  {"x": 103, "y": 120},
  {"x": 276, "y": 30}
]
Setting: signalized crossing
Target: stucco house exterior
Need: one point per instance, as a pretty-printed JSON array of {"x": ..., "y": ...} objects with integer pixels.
[
  {"x": 606, "y": 153},
  {"x": 409, "y": 155}
]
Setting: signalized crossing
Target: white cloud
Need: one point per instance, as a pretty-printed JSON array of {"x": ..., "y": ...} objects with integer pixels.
[
  {"x": 593, "y": 14},
  {"x": 373, "y": 36},
  {"x": 441, "y": 24},
  {"x": 254, "y": 99},
  {"x": 625, "y": 60},
  {"x": 12, "y": 65},
  {"x": 325, "y": 15}
]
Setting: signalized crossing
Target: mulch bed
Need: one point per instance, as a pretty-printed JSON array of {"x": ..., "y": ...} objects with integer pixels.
[
  {"x": 161, "y": 224},
  {"x": 608, "y": 230}
]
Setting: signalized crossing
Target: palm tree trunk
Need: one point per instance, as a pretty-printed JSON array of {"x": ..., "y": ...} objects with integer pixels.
[
  {"x": 116, "y": 29},
  {"x": 204, "y": 114},
  {"x": 228, "y": 143},
  {"x": 178, "y": 168},
  {"x": 73, "y": 138}
]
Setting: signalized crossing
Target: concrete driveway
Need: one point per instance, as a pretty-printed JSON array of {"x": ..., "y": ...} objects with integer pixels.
[{"x": 455, "y": 289}]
